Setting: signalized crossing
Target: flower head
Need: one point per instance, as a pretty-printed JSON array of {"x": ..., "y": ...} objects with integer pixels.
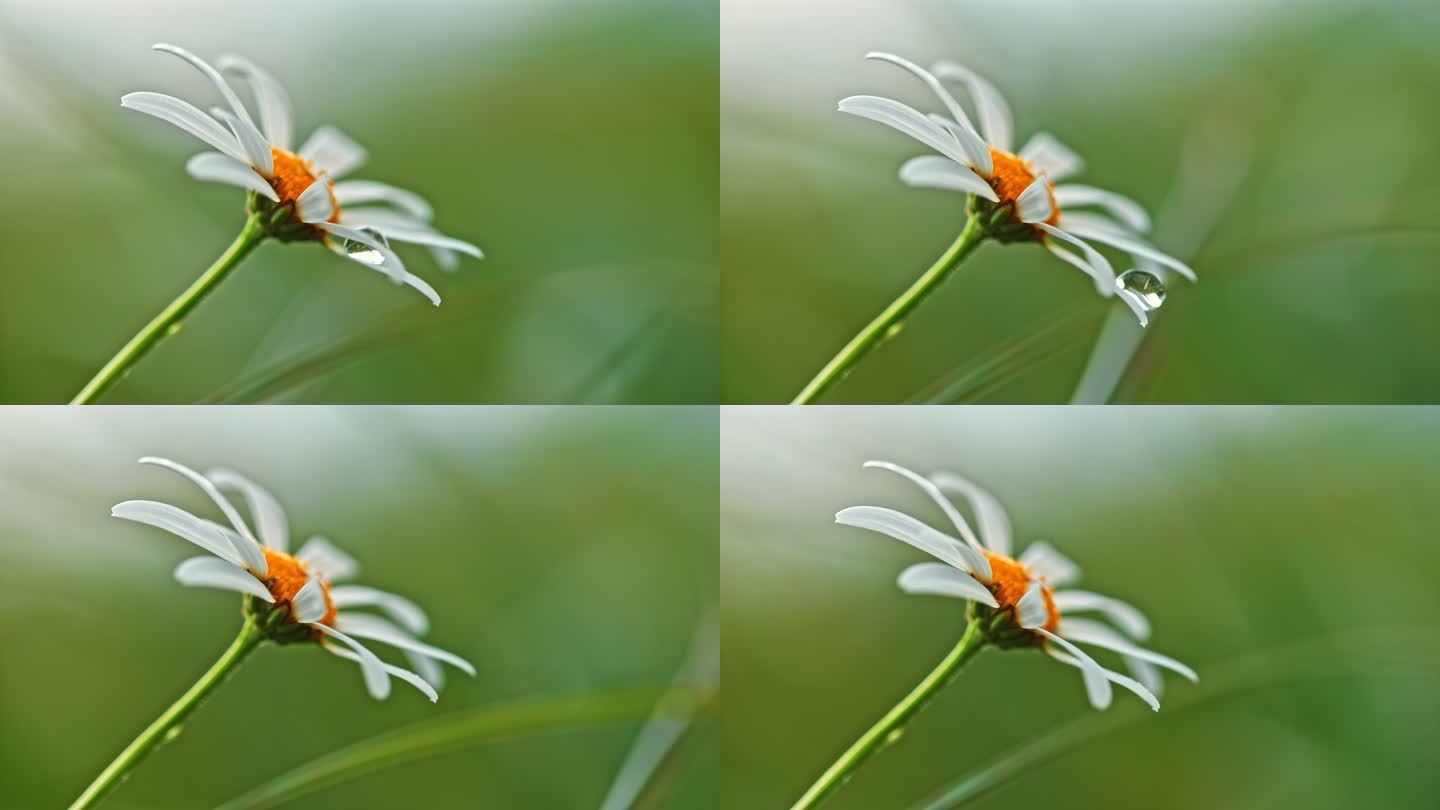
[
  {"x": 293, "y": 597},
  {"x": 1015, "y": 599},
  {"x": 1015, "y": 193},
  {"x": 298, "y": 194}
]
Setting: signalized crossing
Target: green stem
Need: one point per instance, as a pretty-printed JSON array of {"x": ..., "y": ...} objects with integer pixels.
[
  {"x": 169, "y": 320},
  {"x": 888, "y": 729},
  {"x": 888, "y": 321},
  {"x": 167, "y": 726}
]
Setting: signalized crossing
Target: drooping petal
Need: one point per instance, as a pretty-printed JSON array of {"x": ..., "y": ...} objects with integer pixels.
[
  {"x": 257, "y": 149},
  {"x": 333, "y": 152},
  {"x": 1123, "y": 614},
  {"x": 996, "y": 122},
  {"x": 911, "y": 122},
  {"x": 277, "y": 117},
  {"x": 327, "y": 560},
  {"x": 269, "y": 516},
  {"x": 1034, "y": 205},
  {"x": 1047, "y": 155},
  {"x": 1055, "y": 568},
  {"x": 378, "y": 629},
  {"x": 212, "y": 572},
  {"x": 939, "y": 579},
  {"x": 314, "y": 204},
  {"x": 1141, "y": 690},
  {"x": 969, "y": 140},
  {"x": 358, "y": 192},
  {"x": 1097, "y": 685},
  {"x": 388, "y": 262},
  {"x": 376, "y": 673},
  {"x": 1083, "y": 631},
  {"x": 417, "y": 681},
  {"x": 308, "y": 604},
  {"x": 1031, "y": 611},
  {"x": 217, "y": 168},
  {"x": 427, "y": 668},
  {"x": 994, "y": 523},
  {"x": 402, "y": 610},
  {"x": 1136, "y": 304},
  {"x": 929, "y": 488},
  {"x": 249, "y": 550},
  {"x": 907, "y": 529},
  {"x": 181, "y": 523},
  {"x": 935, "y": 171},
  {"x": 1096, "y": 265},
  {"x": 373, "y": 217},
  {"x": 1125, "y": 209},
  {"x": 428, "y": 237},
  {"x": 188, "y": 117},
  {"x": 1131, "y": 245}
]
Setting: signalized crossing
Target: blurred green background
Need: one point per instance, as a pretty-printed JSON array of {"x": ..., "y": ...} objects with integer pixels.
[
  {"x": 574, "y": 142},
  {"x": 562, "y": 551},
  {"x": 1285, "y": 146},
  {"x": 1241, "y": 532}
]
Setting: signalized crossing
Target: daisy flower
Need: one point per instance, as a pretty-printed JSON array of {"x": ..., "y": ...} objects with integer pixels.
[
  {"x": 294, "y": 598},
  {"x": 1016, "y": 194},
  {"x": 299, "y": 194},
  {"x": 1015, "y": 599}
]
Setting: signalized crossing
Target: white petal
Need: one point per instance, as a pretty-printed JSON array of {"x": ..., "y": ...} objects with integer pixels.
[
  {"x": 1095, "y": 264},
  {"x": 1125, "y": 209},
  {"x": 428, "y": 669},
  {"x": 1136, "y": 304},
  {"x": 1123, "y": 614},
  {"x": 370, "y": 216},
  {"x": 249, "y": 550},
  {"x": 357, "y": 192},
  {"x": 374, "y": 627},
  {"x": 217, "y": 168},
  {"x": 1055, "y": 568},
  {"x": 179, "y": 522},
  {"x": 1084, "y": 631},
  {"x": 377, "y": 679},
  {"x": 994, "y": 523},
  {"x": 934, "y": 171},
  {"x": 333, "y": 152},
  {"x": 257, "y": 149},
  {"x": 269, "y": 517},
  {"x": 996, "y": 123},
  {"x": 907, "y": 529},
  {"x": 1097, "y": 685},
  {"x": 187, "y": 117},
  {"x": 939, "y": 579},
  {"x": 399, "y": 608},
  {"x": 327, "y": 560},
  {"x": 936, "y": 495},
  {"x": 969, "y": 139},
  {"x": 314, "y": 204},
  {"x": 1047, "y": 155},
  {"x": 1031, "y": 610},
  {"x": 210, "y": 572},
  {"x": 210, "y": 73},
  {"x": 1033, "y": 205},
  {"x": 417, "y": 681},
  {"x": 277, "y": 118},
  {"x": 390, "y": 263},
  {"x": 1143, "y": 691},
  {"x": 909, "y": 121},
  {"x": 1128, "y": 244},
  {"x": 427, "y": 236},
  {"x": 308, "y": 604}
]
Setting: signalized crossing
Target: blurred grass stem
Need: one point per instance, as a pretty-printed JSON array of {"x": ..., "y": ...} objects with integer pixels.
[
  {"x": 888, "y": 322},
  {"x": 169, "y": 320},
  {"x": 892, "y": 725},
  {"x": 167, "y": 726}
]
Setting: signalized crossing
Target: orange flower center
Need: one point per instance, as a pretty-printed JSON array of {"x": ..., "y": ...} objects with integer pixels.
[
  {"x": 287, "y": 576},
  {"x": 1011, "y": 579},
  {"x": 293, "y": 174},
  {"x": 1011, "y": 176}
]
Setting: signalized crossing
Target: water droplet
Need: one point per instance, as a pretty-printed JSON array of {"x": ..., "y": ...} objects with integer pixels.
[
  {"x": 1147, "y": 287},
  {"x": 363, "y": 253},
  {"x": 895, "y": 329},
  {"x": 173, "y": 329},
  {"x": 171, "y": 733},
  {"x": 894, "y": 736}
]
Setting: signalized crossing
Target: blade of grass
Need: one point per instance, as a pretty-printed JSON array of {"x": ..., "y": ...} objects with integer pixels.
[{"x": 483, "y": 724}]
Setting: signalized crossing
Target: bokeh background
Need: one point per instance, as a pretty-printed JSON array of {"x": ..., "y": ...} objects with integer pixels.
[
  {"x": 1284, "y": 145},
  {"x": 563, "y": 551},
  {"x": 574, "y": 141},
  {"x": 1288, "y": 555}
]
